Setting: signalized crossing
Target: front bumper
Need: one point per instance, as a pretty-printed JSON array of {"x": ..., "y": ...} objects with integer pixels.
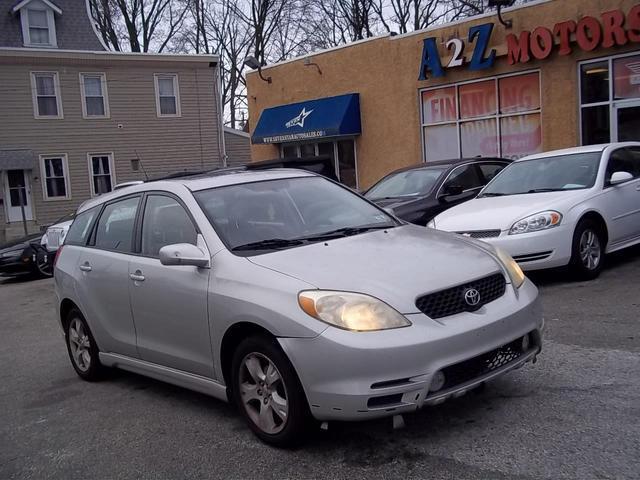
[
  {"x": 18, "y": 265},
  {"x": 362, "y": 375},
  {"x": 537, "y": 250}
]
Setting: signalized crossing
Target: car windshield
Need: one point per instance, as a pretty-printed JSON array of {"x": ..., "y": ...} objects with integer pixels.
[
  {"x": 546, "y": 174},
  {"x": 410, "y": 183},
  {"x": 270, "y": 215}
]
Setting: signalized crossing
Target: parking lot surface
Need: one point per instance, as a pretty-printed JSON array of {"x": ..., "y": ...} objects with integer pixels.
[{"x": 575, "y": 414}]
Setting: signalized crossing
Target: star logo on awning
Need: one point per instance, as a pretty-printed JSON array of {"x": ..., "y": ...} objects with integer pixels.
[{"x": 298, "y": 120}]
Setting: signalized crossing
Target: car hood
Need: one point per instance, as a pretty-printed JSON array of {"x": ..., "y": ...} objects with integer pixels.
[
  {"x": 396, "y": 266},
  {"x": 500, "y": 213},
  {"x": 24, "y": 241}
]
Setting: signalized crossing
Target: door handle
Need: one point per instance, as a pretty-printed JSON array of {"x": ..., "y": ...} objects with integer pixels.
[
  {"x": 85, "y": 267},
  {"x": 137, "y": 276}
]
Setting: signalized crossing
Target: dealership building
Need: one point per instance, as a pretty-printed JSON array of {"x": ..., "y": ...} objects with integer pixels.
[{"x": 544, "y": 75}]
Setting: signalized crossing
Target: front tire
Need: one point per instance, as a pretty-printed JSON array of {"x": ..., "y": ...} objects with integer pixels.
[
  {"x": 268, "y": 393},
  {"x": 587, "y": 254},
  {"x": 82, "y": 348}
]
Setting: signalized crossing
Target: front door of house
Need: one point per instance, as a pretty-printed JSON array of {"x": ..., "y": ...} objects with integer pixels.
[
  {"x": 627, "y": 121},
  {"x": 16, "y": 192}
]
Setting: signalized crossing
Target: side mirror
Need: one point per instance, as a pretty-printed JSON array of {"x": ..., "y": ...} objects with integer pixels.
[
  {"x": 184, "y": 254},
  {"x": 620, "y": 177},
  {"x": 452, "y": 190}
]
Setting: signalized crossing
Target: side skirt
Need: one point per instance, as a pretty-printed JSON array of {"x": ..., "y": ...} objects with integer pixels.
[{"x": 166, "y": 374}]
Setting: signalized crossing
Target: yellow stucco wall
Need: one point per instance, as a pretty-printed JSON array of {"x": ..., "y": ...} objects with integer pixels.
[{"x": 384, "y": 71}]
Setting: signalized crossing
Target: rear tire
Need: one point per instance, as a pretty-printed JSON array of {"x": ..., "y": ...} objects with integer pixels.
[
  {"x": 587, "y": 253},
  {"x": 268, "y": 393},
  {"x": 82, "y": 348}
]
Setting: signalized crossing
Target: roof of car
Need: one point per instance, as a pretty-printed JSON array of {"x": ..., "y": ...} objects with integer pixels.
[
  {"x": 449, "y": 163},
  {"x": 195, "y": 181},
  {"x": 582, "y": 149}
]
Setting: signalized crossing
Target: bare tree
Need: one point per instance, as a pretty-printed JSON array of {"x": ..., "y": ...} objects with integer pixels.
[{"x": 145, "y": 24}]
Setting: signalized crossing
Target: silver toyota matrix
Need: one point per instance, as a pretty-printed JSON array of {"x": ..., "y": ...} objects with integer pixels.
[{"x": 291, "y": 296}]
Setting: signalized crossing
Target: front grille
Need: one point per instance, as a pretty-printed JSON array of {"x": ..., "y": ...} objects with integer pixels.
[
  {"x": 481, "y": 233},
  {"x": 452, "y": 300},
  {"x": 532, "y": 256},
  {"x": 475, "y": 367}
]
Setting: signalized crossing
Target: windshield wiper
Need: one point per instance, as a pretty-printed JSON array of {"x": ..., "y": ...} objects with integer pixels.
[
  {"x": 493, "y": 194},
  {"x": 346, "y": 231},
  {"x": 540, "y": 190},
  {"x": 270, "y": 243}
]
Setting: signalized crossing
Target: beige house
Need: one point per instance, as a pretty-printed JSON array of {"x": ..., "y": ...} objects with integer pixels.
[{"x": 75, "y": 123}]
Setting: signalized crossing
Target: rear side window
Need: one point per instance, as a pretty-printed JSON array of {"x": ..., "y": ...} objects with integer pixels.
[
  {"x": 490, "y": 170},
  {"x": 81, "y": 227},
  {"x": 115, "y": 227},
  {"x": 165, "y": 223}
]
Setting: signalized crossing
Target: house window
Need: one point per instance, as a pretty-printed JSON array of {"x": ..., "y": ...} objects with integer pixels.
[
  {"x": 101, "y": 171},
  {"x": 46, "y": 95},
  {"x": 55, "y": 177},
  {"x": 167, "y": 95},
  {"x": 610, "y": 99},
  {"x": 499, "y": 116},
  {"x": 93, "y": 87},
  {"x": 38, "y": 27}
]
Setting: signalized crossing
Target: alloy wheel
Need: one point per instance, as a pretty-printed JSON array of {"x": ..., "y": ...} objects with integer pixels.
[
  {"x": 590, "y": 250},
  {"x": 79, "y": 345},
  {"x": 44, "y": 265},
  {"x": 263, "y": 393}
]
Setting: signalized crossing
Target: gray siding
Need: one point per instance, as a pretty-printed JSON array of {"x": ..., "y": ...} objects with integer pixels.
[
  {"x": 237, "y": 147},
  {"x": 164, "y": 145},
  {"x": 73, "y": 28}
]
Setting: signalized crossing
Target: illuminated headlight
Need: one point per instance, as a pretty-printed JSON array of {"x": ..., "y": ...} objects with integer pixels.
[
  {"x": 350, "y": 311},
  {"x": 537, "y": 222},
  {"x": 432, "y": 223},
  {"x": 513, "y": 269}
]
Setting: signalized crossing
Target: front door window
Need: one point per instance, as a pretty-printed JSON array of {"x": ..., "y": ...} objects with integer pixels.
[{"x": 17, "y": 196}]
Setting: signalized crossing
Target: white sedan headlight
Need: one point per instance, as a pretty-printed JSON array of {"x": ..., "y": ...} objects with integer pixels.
[
  {"x": 350, "y": 311},
  {"x": 536, "y": 222}
]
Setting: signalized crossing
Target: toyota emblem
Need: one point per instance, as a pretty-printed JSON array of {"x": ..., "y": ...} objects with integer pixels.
[{"x": 472, "y": 297}]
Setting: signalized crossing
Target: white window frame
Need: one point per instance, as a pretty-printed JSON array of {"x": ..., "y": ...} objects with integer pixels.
[
  {"x": 65, "y": 172},
  {"x": 51, "y": 25},
  {"x": 112, "y": 170},
  {"x": 105, "y": 95},
  {"x": 176, "y": 92},
  {"x": 34, "y": 95},
  {"x": 496, "y": 116},
  {"x": 612, "y": 103}
]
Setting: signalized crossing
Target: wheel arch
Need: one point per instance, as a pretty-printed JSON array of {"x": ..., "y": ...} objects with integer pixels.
[
  {"x": 599, "y": 220},
  {"x": 66, "y": 305},
  {"x": 232, "y": 338}
]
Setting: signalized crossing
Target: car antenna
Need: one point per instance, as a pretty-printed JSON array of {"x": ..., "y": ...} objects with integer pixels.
[{"x": 146, "y": 177}]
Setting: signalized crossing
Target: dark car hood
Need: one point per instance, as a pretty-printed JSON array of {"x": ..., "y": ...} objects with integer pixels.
[{"x": 33, "y": 238}]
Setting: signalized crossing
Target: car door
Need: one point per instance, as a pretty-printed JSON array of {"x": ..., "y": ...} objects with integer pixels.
[
  {"x": 467, "y": 177},
  {"x": 621, "y": 202},
  {"x": 169, "y": 303},
  {"x": 103, "y": 272}
]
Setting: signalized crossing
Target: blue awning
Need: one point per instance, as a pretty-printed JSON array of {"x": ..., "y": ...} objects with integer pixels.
[{"x": 324, "y": 117}]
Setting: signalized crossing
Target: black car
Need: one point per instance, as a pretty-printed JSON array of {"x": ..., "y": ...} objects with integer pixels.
[
  {"x": 25, "y": 256},
  {"x": 419, "y": 193}
]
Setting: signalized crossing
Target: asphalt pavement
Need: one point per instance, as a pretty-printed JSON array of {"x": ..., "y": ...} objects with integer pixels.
[{"x": 575, "y": 414}]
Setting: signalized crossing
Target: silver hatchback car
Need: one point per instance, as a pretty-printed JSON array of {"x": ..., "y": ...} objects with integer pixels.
[{"x": 289, "y": 295}]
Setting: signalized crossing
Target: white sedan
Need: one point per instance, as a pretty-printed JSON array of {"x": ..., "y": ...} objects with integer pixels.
[{"x": 566, "y": 207}]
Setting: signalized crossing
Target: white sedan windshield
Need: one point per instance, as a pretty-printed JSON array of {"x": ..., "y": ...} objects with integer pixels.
[
  {"x": 287, "y": 212},
  {"x": 546, "y": 174}
]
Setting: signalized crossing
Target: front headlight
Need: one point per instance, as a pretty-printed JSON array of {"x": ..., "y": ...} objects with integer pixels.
[
  {"x": 515, "y": 272},
  {"x": 432, "y": 223},
  {"x": 350, "y": 311},
  {"x": 536, "y": 222},
  {"x": 12, "y": 253}
]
